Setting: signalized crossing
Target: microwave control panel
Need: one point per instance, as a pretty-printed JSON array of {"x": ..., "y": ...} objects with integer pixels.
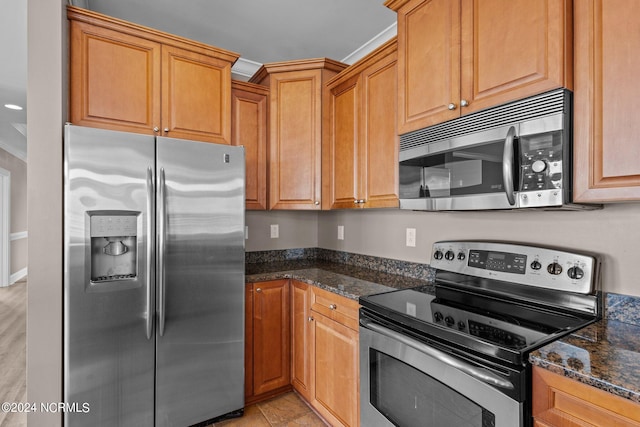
[{"x": 541, "y": 163}]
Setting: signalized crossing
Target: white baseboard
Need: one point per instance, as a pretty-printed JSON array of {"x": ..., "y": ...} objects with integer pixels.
[{"x": 17, "y": 276}]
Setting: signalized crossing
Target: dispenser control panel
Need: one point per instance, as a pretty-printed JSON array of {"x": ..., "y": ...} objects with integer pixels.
[{"x": 113, "y": 225}]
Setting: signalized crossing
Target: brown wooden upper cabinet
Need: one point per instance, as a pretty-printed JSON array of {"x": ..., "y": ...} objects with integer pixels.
[
  {"x": 606, "y": 125},
  {"x": 297, "y": 108},
  {"x": 249, "y": 129},
  {"x": 460, "y": 56},
  {"x": 360, "y": 153},
  {"x": 132, "y": 78}
]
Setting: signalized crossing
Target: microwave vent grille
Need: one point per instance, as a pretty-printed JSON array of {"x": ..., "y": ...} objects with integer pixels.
[{"x": 549, "y": 103}]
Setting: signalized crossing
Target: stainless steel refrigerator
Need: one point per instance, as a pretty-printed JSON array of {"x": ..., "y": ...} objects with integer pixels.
[{"x": 154, "y": 279}]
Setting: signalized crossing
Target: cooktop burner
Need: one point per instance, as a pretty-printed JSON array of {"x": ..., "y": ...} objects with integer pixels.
[{"x": 496, "y": 299}]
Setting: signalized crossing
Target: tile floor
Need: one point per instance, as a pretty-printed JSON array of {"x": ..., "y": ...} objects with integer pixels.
[{"x": 285, "y": 410}]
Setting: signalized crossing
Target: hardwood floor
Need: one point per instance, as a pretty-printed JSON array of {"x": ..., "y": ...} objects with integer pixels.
[
  {"x": 13, "y": 350},
  {"x": 285, "y": 410}
]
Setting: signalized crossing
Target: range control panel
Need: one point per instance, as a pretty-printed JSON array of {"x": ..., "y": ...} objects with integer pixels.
[{"x": 524, "y": 264}]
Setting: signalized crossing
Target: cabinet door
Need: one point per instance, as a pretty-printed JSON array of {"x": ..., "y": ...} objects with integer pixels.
[
  {"x": 301, "y": 339},
  {"x": 606, "y": 125},
  {"x": 342, "y": 180},
  {"x": 378, "y": 142},
  {"x": 337, "y": 396},
  {"x": 249, "y": 129},
  {"x": 114, "y": 80},
  {"x": 271, "y": 336},
  {"x": 296, "y": 140},
  {"x": 428, "y": 63},
  {"x": 560, "y": 401},
  {"x": 513, "y": 49},
  {"x": 196, "y": 98}
]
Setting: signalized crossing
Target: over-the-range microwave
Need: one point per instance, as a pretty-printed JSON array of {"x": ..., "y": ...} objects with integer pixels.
[{"x": 517, "y": 155}]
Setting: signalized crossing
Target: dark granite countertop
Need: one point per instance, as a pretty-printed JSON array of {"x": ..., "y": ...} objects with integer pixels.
[
  {"x": 343, "y": 279},
  {"x": 605, "y": 354}
]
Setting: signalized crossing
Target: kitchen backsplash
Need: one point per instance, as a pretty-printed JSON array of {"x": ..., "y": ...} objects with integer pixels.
[
  {"x": 622, "y": 308},
  {"x": 385, "y": 265}
]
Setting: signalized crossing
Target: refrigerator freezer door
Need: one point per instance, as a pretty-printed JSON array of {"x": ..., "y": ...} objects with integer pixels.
[
  {"x": 200, "y": 351},
  {"x": 108, "y": 341}
]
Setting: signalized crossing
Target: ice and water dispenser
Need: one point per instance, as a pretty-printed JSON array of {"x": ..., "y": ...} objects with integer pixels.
[{"x": 113, "y": 245}]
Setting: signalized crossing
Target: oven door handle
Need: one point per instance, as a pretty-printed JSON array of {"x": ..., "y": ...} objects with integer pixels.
[
  {"x": 507, "y": 165},
  {"x": 481, "y": 374}
]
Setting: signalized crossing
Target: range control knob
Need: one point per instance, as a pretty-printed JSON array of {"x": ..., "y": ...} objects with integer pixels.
[
  {"x": 450, "y": 255},
  {"x": 449, "y": 321},
  {"x": 461, "y": 325},
  {"x": 437, "y": 316},
  {"x": 535, "y": 265},
  {"x": 554, "y": 268},
  {"x": 575, "y": 273},
  {"x": 461, "y": 256},
  {"x": 438, "y": 255},
  {"x": 538, "y": 166}
]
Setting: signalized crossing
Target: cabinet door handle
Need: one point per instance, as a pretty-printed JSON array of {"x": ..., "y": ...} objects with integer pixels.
[
  {"x": 451, "y": 106},
  {"x": 166, "y": 130},
  {"x": 258, "y": 290},
  {"x": 156, "y": 129},
  {"x": 464, "y": 103},
  {"x": 317, "y": 203},
  {"x": 332, "y": 307},
  {"x": 310, "y": 319}
]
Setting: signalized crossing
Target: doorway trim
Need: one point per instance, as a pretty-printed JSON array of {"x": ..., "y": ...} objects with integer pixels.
[{"x": 5, "y": 211}]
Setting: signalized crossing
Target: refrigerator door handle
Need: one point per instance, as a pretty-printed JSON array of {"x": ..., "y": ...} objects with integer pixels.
[
  {"x": 161, "y": 247},
  {"x": 150, "y": 271}
]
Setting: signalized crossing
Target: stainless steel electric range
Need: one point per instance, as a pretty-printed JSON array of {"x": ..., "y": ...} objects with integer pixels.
[{"x": 457, "y": 353}]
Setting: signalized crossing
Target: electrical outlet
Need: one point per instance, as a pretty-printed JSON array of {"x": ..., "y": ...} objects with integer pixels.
[
  {"x": 411, "y": 237},
  {"x": 341, "y": 232},
  {"x": 275, "y": 231}
]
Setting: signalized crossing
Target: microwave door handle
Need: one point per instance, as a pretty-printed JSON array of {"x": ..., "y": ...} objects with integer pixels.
[
  {"x": 507, "y": 165},
  {"x": 150, "y": 270},
  {"x": 481, "y": 374}
]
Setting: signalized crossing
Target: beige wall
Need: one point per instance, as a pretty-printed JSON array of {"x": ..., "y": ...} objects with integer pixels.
[
  {"x": 298, "y": 229},
  {"x": 46, "y": 97},
  {"x": 18, "y": 170},
  {"x": 613, "y": 232}
]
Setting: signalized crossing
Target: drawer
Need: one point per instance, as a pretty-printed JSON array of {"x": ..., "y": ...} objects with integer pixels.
[{"x": 341, "y": 309}]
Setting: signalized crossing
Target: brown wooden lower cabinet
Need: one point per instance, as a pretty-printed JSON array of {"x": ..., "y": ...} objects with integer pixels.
[
  {"x": 301, "y": 328},
  {"x": 322, "y": 335},
  {"x": 336, "y": 371},
  {"x": 267, "y": 340},
  {"x": 559, "y": 401}
]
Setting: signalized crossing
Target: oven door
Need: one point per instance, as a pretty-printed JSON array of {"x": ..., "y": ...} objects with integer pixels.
[{"x": 404, "y": 382}]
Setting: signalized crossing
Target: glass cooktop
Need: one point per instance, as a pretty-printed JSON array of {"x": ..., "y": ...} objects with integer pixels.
[{"x": 479, "y": 323}]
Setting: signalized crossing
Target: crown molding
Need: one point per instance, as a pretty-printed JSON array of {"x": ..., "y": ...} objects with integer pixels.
[
  {"x": 377, "y": 41},
  {"x": 247, "y": 68}
]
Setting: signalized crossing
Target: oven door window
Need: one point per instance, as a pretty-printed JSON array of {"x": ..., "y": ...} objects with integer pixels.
[
  {"x": 408, "y": 397},
  {"x": 461, "y": 172}
]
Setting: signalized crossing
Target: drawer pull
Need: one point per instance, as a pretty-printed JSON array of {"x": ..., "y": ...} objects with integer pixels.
[{"x": 332, "y": 307}]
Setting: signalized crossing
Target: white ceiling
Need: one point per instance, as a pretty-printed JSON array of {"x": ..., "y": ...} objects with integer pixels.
[
  {"x": 259, "y": 30},
  {"x": 13, "y": 76}
]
